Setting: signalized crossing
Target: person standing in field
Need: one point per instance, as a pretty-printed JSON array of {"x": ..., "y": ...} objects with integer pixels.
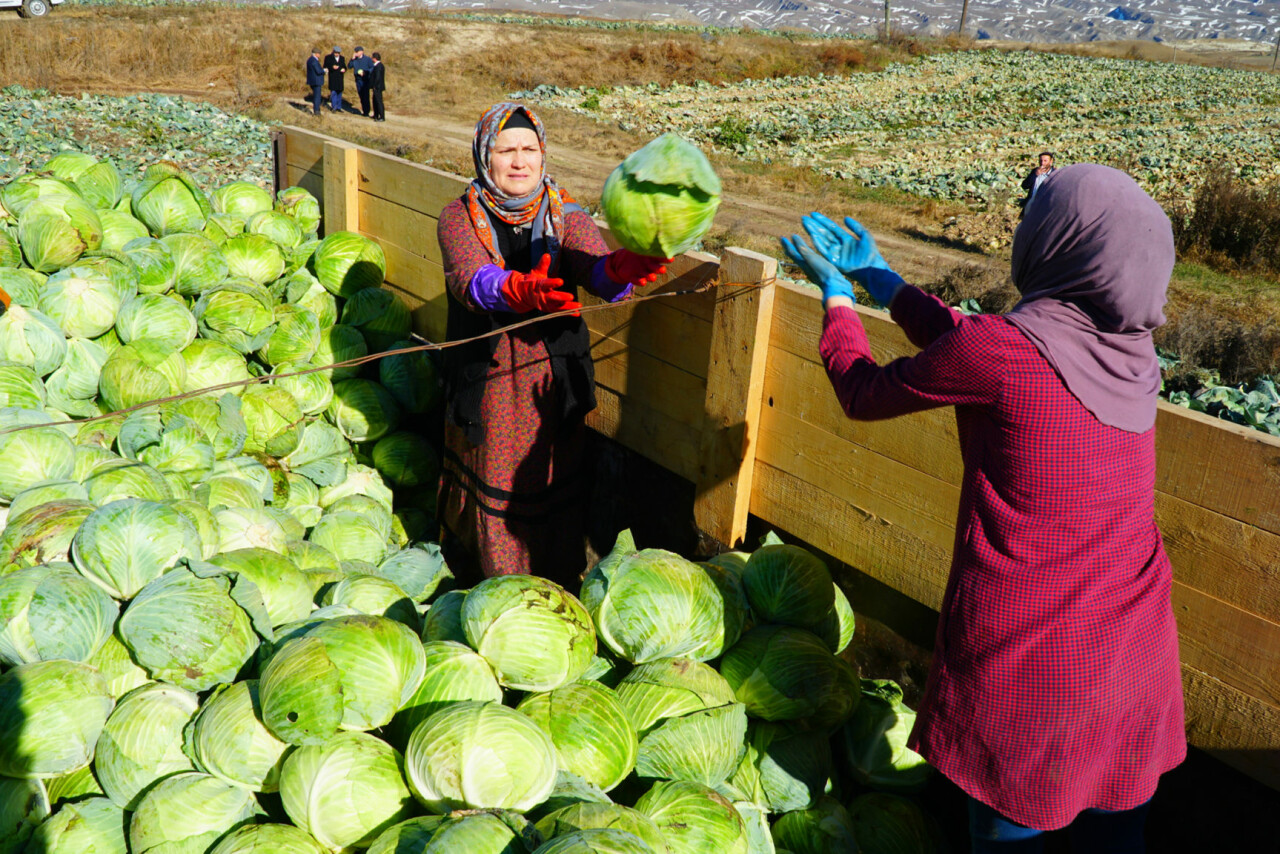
[
  {"x": 1036, "y": 176},
  {"x": 1054, "y": 698},
  {"x": 516, "y": 247},
  {"x": 336, "y": 65},
  {"x": 360, "y": 67},
  {"x": 378, "y": 85},
  {"x": 315, "y": 78}
]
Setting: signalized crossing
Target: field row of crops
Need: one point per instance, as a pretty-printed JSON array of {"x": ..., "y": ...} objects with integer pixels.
[{"x": 966, "y": 125}]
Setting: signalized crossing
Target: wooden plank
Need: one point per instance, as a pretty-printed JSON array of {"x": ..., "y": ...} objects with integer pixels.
[
  {"x": 925, "y": 440},
  {"x": 312, "y": 182},
  {"x": 735, "y": 379},
  {"x": 1240, "y": 730},
  {"x": 1222, "y": 557},
  {"x": 879, "y": 487},
  {"x": 1220, "y": 466},
  {"x": 655, "y": 328},
  {"x": 888, "y": 553},
  {"x": 647, "y": 432},
  {"x": 340, "y": 207},
  {"x": 1232, "y": 645},
  {"x": 305, "y": 147},
  {"x": 280, "y": 161},
  {"x": 688, "y": 271},
  {"x": 409, "y": 185},
  {"x": 399, "y": 225},
  {"x": 655, "y": 384}
]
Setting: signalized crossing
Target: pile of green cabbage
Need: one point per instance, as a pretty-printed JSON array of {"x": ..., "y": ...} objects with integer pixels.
[{"x": 221, "y": 630}]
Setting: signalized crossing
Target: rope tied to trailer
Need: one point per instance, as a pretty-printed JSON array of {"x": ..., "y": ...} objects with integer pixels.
[{"x": 709, "y": 283}]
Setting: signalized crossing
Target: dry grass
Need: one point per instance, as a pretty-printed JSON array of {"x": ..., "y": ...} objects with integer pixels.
[{"x": 1230, "y": 226}]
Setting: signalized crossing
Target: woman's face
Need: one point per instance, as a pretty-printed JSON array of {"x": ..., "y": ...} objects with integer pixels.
[{"x": 516, "y": 161}]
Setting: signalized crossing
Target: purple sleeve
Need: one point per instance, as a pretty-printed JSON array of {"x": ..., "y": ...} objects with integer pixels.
[
  {"x": 606, "y": 288},
  {"x": 963, "y": 367},
  {"x": 485, "y": 288},
  {"x": 923, "y": 317}
]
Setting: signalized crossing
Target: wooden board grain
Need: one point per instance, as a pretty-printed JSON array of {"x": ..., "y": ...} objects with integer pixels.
[
  {"x": 650, "y": 433},
  {"x": 1227, "y": 643},
  {"x": 655, "y": 328},
  {"x": 420, "y": 283},
  {"x": 657, "y": 385},
  {"x": 399, "y": 225},
  {"x": 312, "y": 182},
  {"x": 340, "y": 209},
  {"x": 1240, "y": 730},
  {"x": 409, "y": 185}
]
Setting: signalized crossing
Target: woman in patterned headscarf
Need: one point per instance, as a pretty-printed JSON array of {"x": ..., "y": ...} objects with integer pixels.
[{"x": 513, "y": 246}]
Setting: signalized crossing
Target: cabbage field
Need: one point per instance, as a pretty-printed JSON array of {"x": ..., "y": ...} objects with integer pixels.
[{"x": 967, "y": 125}]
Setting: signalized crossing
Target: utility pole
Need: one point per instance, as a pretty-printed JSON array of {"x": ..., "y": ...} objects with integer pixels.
[
  {"x": 964, "y": 13},
  {"x": 886, "y": 20},
  {"x": 1275, "y": 55}
]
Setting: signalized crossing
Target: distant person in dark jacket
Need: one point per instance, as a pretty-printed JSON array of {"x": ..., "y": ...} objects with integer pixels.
[
  {"x": 336, "y": 65},
  {"x": 378, "y": 84},
  {"x": 1036, "y": 176},
  {"x": 315, "y": 78},
  {"x": 360, "y": 67}
]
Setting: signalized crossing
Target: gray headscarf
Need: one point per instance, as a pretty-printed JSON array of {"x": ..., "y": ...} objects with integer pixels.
[{"x": 1092, "y": 260}]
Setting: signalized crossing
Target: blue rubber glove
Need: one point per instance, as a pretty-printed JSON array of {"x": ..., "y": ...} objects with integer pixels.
[
  {"x": 854, "y": 254},
  {"x": 819, "y": 270}
]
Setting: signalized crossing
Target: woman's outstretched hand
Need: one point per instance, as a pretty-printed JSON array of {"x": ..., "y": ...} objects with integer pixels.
[
  {"x": 536, "y": 290},
  {"x": 854, "y": 253},
  {"x": 819, "y": 270},
  {"x": 628, "y": 268}
]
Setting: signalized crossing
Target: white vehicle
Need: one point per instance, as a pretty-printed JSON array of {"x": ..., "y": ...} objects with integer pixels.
[{"x": 30, "y": 8}]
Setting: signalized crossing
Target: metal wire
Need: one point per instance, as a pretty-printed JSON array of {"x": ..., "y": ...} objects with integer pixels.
[{"x": 707, "y": 284}]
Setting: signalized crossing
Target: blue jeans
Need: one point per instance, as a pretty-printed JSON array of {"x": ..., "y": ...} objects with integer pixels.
[
  {"x": 1094, "y": 831},
  {"x": 315, "y": 99},
  {"x": 335, "y": 99}
]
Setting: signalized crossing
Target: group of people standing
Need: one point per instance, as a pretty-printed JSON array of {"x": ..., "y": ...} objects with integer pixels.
[{"x": 368, "y": 71}]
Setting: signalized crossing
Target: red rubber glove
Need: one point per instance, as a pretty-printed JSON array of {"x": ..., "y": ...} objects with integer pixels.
[
  {"x": 536, "y": 291},
  {"x": 625, "y": 266}
]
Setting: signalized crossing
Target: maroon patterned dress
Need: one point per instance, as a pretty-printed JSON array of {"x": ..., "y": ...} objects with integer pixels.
[
  {"x": 513, "y": 487},
  {"x": 1055, "y": 684}
]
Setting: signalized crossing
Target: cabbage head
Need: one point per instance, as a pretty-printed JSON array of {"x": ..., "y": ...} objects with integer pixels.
[
  {"x": 452, "y": 673},
  {"x": 212, "y": 363},
  {"x": 21, "y": 388},
  {"x": 488, "y": 832},
  {"x": 142, "y": 741},
  {"x": 303, "y": 207},
  {"x": 169, "y": 442},
  {"x": 188, "y": 811},
  {"x": 82, "y": 301},
  {"x": 221, "y": 616},
  {"x": 55, "y": 232},
  {"x": 98, "y": 181},
  {"x": 73, "y": 387},
  {"x": 363, "y": 410},
  {"x": 91, "y": 825},
  {"x": 250, "y": 527},
  {"x": 782, "y": 770},
  {"x": 380, "y": 315},
  {"x": 198, "y": 264},
  {"x": 346, "y": 791},
  {"x": 419, "y": 571},
  {"x": 346, "y": 263},
  {"x": 158, "y": 317},
  {"x": 653, "y": 604},
  {"x": 286, "y": 592},
  {"x": 661, "y": 199},
  {"x": 340, "y": 343},
  {"x": 694, "y": 819},
  {"x": 825, "y": 828},
  {"x": 884, "y": 822},
  {"x": 444, "y": 619},
  {"x": 273, "y": 419},
  {"x": 238, "y": 313},
  {"x": 268, "y": 839},
  {"x": 411, "y": 378},
  {"x": 41, "y": 534},
  {"x": 116, "y": 665},
  {"x": 21, "y": 192},
  {"x": 28, "y": 337},
  {"x": 480, "y": 755},
  {"x": 690, "y": 725},
  {"x": 596, "y": 841},
  {"x": 296, "y": 336},
  {"x": 788, "y": 585},
  {"x": 219, "y": 227},
  {"x": 125, "y": 544},
  {"x": 154, "y": 262},
  {"x": 139, "y": 372},
  {"x": 406, "y": 459},
  {"x": 535, "y": 633},
  {"x": 788, "y": 674},
  {"x": 874, "y": 741},
  {"x": 279, "y": 228},
  {"x": 119, "y": 229},
  {"x": 51, "y": 611},
  {"x": 590, "y": 816},
  {"x": 168, "y": 201},
  {"x": 253, "y": 257},
  {"x": 592, "y": 734},
  {"x": 51, "y": 713},
  {"x": 350, "y": 673},
  {"x": 33, "y": 455},
  {"x": 228, "y": 739},
  {"x": 240, "y": 198},
  {"x": 304, "y": 290}
]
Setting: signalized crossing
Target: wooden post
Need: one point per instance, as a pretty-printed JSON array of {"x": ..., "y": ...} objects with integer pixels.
[
  {"x": 341, "y": 187},
  {"x": 964, "y": 14},
  {"x": 1276, "y": 54},
  {"x": 280, "y": 160},
  {"x": 735, "y": 379},
  {"x": 886, "y": 20}
]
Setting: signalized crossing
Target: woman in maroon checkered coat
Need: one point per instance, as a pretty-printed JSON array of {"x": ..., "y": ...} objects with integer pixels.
[{"x": 1055, "y": 696}]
